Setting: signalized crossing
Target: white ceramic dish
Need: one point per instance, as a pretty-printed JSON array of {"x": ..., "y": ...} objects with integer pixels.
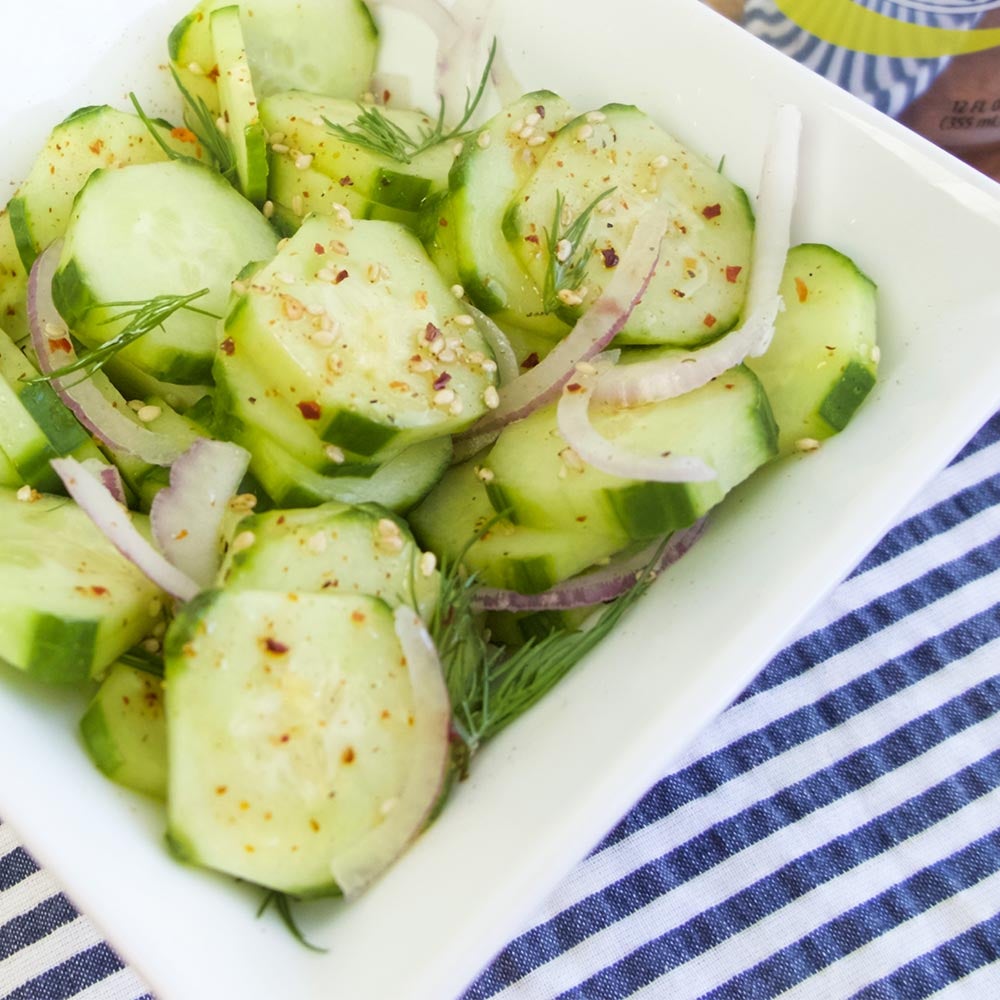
[{"x": 925, "y": 226}]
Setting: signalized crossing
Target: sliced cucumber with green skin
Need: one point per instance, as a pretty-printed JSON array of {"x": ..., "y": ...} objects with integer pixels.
[
  {"x": 823, "y": 360},
  {"x": 355, "y": 328},
  {"x": 727, "y": 423},
  {"x": 13, "y": 284},
  {"x": 436, "y": 228},
  {"x": 697, "y": 291},
  {"x": 495, "y": 163},
  {"x": 291, "y": 726},
  {"x": 328, "y": 48},
  {"x": 93, "y": 138},
  {"x": 515, "y": 628},
  {"x": 124, "y": 730},
  {"x": 505, "y": 555},
  {"x": 334, "y": 548},
  {"x": 157, "y": 229},
  {"x": 238, "y": 103},
  {"x": 305, "y": 191},
  {"x": 295, "y": 121},
  {"x": 398, "y": 484},
  {"x": 70, "y": 603}
]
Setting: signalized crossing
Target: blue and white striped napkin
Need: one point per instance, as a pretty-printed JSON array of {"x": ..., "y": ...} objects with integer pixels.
[{"x": 834, "y": 834}]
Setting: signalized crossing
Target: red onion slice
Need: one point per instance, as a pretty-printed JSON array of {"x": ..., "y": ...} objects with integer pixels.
[
  {"x": 358, "y": 865},
  {"x": 187, "y": 516},
  {"x": 109, "y": 476},
  {"x": 115, "y": 524},
  {"x": 595, "y": 586},
  {"x": 593, "y": 332},
  {"x": 573, "y": 417},
  {"x": 649, "y": 381},
  {"x": 91, "y": 398}
]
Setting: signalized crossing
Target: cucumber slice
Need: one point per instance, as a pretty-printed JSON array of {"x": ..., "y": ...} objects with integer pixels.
[
  {"x": 238, "y": 103},
  {"x": 291, "y": 731},
  {"x": 329, "y": 48},
  {"x": 90, "y": 139},
  {"x": 70, "y": 603},
  {"x": 334, "y": 548},
  {"x": 697, "y": 291},
  {"x": 822, "y": 362},
  {"x": 157, "y": 229},
  {"x": 728, "y": 423},
  {"x": 297, "y": 120},
  {"x": 355, "y": 328},
  {"x": 510, "y": 556},
  {"x": 398, "y": 484},
  {"x": 124, "y": 730},
  {"x": 10, "y": 478},
  {"x": 495, "y": 163},
  {"x": 13, "y": 283}
]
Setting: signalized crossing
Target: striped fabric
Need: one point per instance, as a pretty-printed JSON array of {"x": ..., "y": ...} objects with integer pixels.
[
  {"x": 887, "y": 84},
  {"x": 835, "y": 834}
]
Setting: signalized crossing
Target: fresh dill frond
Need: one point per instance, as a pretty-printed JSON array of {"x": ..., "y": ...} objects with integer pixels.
[
  {"x": 373, "y": 131},
  {"x": 282, "y": 902},
  {"x": 154, "y": 131},
  {"x": 206, "y": 129},
  {"x": 141, "y": 660},
  {"x": 567, "y": 258},
  {"x": 143, "y": 316}
]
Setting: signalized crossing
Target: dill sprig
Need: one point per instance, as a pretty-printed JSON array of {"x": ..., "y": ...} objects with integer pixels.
[
  {"x": 567, "y": 259},
  {"x": 144, "y": 316},
  {"x": 490, "y": 687},
  {"x": 282, "y": 902},
  {"x": 373, "y": 131},
  {"x": 204, "y": 126}
]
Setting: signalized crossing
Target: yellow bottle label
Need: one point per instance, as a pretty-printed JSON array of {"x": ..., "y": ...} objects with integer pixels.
[{"x": 845, "y": 23}]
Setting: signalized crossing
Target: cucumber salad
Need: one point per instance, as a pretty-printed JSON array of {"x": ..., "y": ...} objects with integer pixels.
[{"x": 333, "y": 432}]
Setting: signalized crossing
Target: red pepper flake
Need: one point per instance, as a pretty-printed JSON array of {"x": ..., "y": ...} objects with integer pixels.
[
  {"x": 357, "y": 616},
  {"x": 712, "y": 211},
  {"x": 318, "y": 248},
  {"x": 709, "y": 320},
  {"x": 98, "y": 590},
  {"x": 442, "y": 380},
  {"x": 228, "y": 347},
  {"x": 284, "y": 738},
  {"x": 530, "y": 361},
  {"x": 431, "y": 333},
  {"x": 183, "y": 135},
  {"x": 540, "y": 110},
  {"x": 574, "y": 387},
  {"x": 181, "y": 535},
  {"x": 443, "y": 223},
  {"x": 346, "y": 181},
  {"x": 610, "y": 257},
  {"x": 532, "y": 238},
  {"x": 348, "y": 755},
  {"x": 732, "y": 273},
  {"x": 96, "y": 146},
  {"x": 221, "y": 789},
  {"x": 341, "y": 276},
  {"x": 62, "y": 344},
  {"x": 386, "y": 96},
  {"x": 273, "y": 646},
  {"x": 213, "y": 73},
  {"x": 801, "y": 289},
  {"x": 310, "y": 410}
]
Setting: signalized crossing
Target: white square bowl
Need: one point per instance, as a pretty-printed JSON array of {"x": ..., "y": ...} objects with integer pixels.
[{"x": 925, "y": 227}]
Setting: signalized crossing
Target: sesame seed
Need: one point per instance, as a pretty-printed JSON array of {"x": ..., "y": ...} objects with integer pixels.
[
  {"x": 292, "y": 308},
  {"x": 340, "y": 248},
  {"x": 242, "y": 503},
  {"x": 195, "y": 68},
  {"x": 596, "y": 117},
  {"x": 326, "y": 274},
  {"x": 447, "y": 355},
  {"x": 876, "y": 354},
  {"x": 334, "y": 363},
  {"x": 585, "y": 368},
  {"x": 444, "y": 397},
  {"x": 489, "y": 365},
  {"x": 486, "y": 475},
  {"x": 151, "y": 645},
  {"x": 458, "y": 291},
  {"x": 317, "y": 543},
  {"x": 806, "y": 444},
  {"x": 572, "y": 460},
  {"x": 456, "y": 150},
  {"x": 317, "y": 121},
  {"x": 436, "y": 346},
  {"x": 526, "y": 133},
  {"x": 148, "y": 413},
  {"x": 276, "y": 137},
  {"x": 377, "y": 272},
  {"x": 54, "y": 332},
  {"x": 303, "y": 161},
  {"x": 485, "y": 138},
  {"x": 538, "y": 140},
  {"x": 243, "y": 541},
  {"x": 428, "y": 563},
  {"x": 222, "y": 125},
  {"x": 239, "y": 287},
  {"x": 268, "y": 209},
  {"x": 568, "y": 297},
  {"x": 136, "y": 405},
  {"x": 533, "y": 119},
  {"x": 286, "y": 278},
  {"x": 660, "y": 162},
  {"x": 456, "y": 407},
  {"x": 343, "y": 215},
  {"x": 27, "y": 494},
  {"x": 335, "y": 454},
  {"x": 298, "y": 205},
  {"x": 564, "y": 250},
  {"x": 420, "y": 365},
  {"x": 517, "y": 126},
  {"x": 464, "y": 319},
  {"x": 491, "y": 397},
  {"x": 605, "y": 207},
  {"x": 279, "y": 147},
  {"x": 584, "y": 132}
]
